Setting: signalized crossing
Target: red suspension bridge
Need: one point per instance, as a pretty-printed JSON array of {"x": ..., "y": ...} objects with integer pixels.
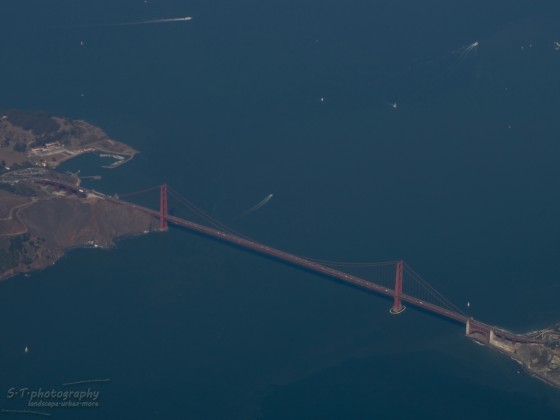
[{"x": 393, "y": 279}]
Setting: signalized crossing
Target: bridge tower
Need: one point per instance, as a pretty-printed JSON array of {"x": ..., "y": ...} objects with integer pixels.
[
  {"x": 398, "y": 307},
  {"x": 163, "y": 207}
]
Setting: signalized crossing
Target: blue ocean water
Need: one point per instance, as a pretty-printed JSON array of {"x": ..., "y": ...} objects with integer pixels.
[{"x": 460, "y": 180}]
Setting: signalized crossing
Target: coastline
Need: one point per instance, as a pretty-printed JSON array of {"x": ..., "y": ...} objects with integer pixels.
[{"x": 44, "y": 213}]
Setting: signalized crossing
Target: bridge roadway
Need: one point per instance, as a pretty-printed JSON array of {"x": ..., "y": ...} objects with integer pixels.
[
  {"x": 314, "y": 266},
  {"x": 328, "y": 271},
  {"x": 339, "y": 275},
  {"x": 298, "y": 261},
  {"x": 302, "y": 262}
]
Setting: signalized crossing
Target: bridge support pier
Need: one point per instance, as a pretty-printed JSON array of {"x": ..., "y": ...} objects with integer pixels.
[
  {"x": 398, "y": 307},
  {"x": 478, "y": 331},
  {"x": 163, "y": 208}
]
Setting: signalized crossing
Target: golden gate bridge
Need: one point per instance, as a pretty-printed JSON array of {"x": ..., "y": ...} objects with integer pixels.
[{"x": 393, "y": 279}]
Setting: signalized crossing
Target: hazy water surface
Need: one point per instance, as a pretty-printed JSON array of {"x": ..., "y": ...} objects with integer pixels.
[{"x": 460, "y": 180}]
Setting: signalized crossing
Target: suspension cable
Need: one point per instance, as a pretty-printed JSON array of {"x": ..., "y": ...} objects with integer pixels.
[
  {"x": 431, "y": 289},
  {"x": 130, "y": 194}
]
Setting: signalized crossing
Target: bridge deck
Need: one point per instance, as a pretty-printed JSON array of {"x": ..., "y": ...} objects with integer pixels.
[
  {"x": 301, "y": 262},
  {"x": 320, "y": 268},
  {"x": 314, "y": 266}
]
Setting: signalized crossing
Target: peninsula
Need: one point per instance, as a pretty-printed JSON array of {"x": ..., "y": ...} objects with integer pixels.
[
  {"x": 43, "y": 212},
  {"x": 538, "y": 352}
]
